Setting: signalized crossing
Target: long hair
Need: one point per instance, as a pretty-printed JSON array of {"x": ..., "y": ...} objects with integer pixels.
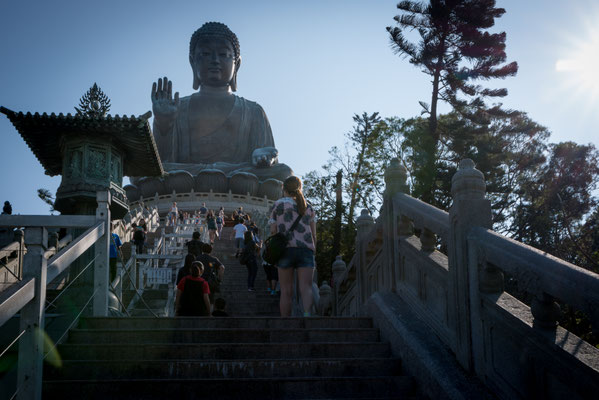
[
  {"x": 293, "y": 186},
  {"x": 189, "y": 259},
  {"x": 248, "y": 237}
]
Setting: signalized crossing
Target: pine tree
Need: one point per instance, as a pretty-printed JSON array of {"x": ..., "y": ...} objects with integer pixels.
[{"x": 456, "y": 50}]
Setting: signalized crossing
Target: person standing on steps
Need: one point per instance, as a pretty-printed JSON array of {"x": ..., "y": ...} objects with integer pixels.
[
  {"x": 173, "y": 214},
  {"x": 212, "y": 229},
  {"x": 203, "y": 210},
  {"x": 193, "y": 294},
  {"x": 139, "y": 239},
  {"x": 301, "y": 244},
  {"x": 249, "y": 257},
  {"x": 194, "y": 246},
  {"x": 214, "y": 270},
  {"x": 238, "y": 231},
  {"x": 220, "y": 221},
  {"x": 186, "y": 268},
  {"x": 115, "y": 245},
  {"x": 219, "y": 308}
]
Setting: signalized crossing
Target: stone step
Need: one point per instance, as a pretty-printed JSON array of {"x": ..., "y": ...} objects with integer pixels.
[
  {"x": 144, "y": 312},
  {"x": 155, "y": 294},
  {"x": 235, "y": 388},
  {"x": 221, "y": 351},
  {"x": 184, "y": 369},
  {"x": 224, "y": 323},
  {"x": 184, "y": 336}
]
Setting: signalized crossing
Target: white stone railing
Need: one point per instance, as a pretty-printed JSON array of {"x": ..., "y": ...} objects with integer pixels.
[
  {"x": 516, "y": 350},
  {"x": 11, "y": 260},
  {"x": 193, "y": 201},
  {"x": 41, "y": 267}
]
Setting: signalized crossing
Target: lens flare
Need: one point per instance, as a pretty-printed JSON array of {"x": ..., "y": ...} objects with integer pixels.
[{"x": 580, "y": 66}]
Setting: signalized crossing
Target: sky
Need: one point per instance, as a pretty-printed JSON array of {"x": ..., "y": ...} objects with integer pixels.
[{"x": 311, "y": 65}]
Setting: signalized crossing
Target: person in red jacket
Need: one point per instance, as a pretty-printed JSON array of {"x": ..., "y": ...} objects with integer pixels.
[{"x": 193, "y": 294}]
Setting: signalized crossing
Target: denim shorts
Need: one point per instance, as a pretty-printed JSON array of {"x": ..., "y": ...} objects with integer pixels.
[{"x": 295, "y": 257}]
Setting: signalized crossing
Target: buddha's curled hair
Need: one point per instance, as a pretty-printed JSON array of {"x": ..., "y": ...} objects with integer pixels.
[
  {"x": 212, "y": 29},
  {"x": 293, "y": 186}
]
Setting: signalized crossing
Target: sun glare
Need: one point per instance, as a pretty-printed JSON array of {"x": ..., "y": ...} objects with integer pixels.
[{"x": 580, "y": 65}]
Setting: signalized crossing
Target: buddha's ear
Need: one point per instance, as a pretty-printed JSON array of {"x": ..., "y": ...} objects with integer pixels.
[
  {"x": 196, "y": 80},
  {"x": 233, "y": 82}
]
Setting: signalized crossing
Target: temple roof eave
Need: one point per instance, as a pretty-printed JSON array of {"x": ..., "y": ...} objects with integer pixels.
[{"x": 132, "y": 135}]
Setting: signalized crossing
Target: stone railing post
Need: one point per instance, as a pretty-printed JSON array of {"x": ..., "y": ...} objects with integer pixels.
[
  {"x": 395, "y": 182},
  {"x": 19, "y": 236},
  {"x": 338, "y": 270},
  {"x": 101, "y": 264},
  {"x": 133, "y": 268},
  {"x": 363, "y": 225},
  {"x": 53, "y": 241},
  {"x": 31, "y": 344},
  {"x": 325, "y": 299},
  {"x": 470, "y": 209}
]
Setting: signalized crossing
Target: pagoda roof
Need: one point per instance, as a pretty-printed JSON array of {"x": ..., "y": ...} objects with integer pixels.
[{"x": 132, "y": 135}]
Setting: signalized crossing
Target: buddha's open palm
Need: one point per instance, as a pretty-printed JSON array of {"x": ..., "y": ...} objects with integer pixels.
[{"x": 163, "y": 103}]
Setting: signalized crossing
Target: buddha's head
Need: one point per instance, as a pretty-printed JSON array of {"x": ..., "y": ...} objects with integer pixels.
[{"x": 214, "y": 56}]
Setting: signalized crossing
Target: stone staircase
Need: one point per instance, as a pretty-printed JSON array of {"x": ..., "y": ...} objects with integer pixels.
[
  {"x": 253, "y": 354},
  {"x": 226, "y": 358},
  {"x": 234, "y": 288}
]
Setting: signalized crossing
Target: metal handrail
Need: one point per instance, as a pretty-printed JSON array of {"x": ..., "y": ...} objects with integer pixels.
[
  {"x": 71, "y": 282},
  {"x": 66, "y": 256},
  {"x": 55, "y": 344}
]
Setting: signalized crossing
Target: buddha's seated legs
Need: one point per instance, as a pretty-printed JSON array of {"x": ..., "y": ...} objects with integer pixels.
[{"x": 277, "y": 171}]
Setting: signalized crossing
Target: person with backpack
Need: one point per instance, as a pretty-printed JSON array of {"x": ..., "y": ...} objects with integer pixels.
[
  {"x": 249, "y": 258},
  {"x": 294, "y": 218},
  {"x": 193, "y": 294},
  {"x": 194, "y": 246},
  {"x": 214, "y": 270},
  {"x": 139, "y": 239}
]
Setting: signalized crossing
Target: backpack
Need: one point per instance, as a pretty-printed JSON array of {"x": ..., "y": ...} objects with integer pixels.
[
  {"x": 246, "y": 255},
  {"x": 210, "y": 276},
  {"x": 139, "y": 235}
]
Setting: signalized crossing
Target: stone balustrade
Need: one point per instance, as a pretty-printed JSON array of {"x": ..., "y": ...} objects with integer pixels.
[{"x": 517, "y": 351}]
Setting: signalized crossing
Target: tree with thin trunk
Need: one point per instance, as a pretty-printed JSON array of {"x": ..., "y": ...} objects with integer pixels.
[{"x": 458, "y": 52}]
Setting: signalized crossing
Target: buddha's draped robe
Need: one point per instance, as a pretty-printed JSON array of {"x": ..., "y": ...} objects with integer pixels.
[{"x": 228, "y": 148}]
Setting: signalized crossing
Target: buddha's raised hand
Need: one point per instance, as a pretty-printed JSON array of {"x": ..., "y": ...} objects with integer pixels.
[{"x": 164, "y": 105}]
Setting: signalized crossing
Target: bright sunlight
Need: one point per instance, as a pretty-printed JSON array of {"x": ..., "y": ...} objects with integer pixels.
[{"x": 581, "y": 64}]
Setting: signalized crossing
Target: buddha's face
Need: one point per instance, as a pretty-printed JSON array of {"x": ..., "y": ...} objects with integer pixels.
[{"x": 214, "y": 62}]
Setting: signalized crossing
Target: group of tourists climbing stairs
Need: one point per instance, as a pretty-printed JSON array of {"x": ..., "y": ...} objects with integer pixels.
[
  {"x": 253, "y": 353},
  {"x": 234, "y": 288}
]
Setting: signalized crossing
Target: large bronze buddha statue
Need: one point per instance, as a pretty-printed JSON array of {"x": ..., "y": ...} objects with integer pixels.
[{"x": 213, "y": 128}]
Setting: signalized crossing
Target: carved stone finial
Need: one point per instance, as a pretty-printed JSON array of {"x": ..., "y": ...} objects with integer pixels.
[
  {"x": 325, "y": 289},
  {"x": 468, "y": 182},
  {"x": 338, "y": 266},
  {"x": 365, "y": 219},
  {"x": 395, "y": 176},
  {"x": 364, "y": 222},
  {"x": 94, "y": 103}
]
